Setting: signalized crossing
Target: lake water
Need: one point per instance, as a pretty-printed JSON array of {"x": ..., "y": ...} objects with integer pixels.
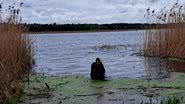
[{"x": 73, "y": 53}]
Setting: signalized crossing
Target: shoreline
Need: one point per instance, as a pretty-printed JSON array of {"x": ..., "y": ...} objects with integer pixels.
[{"x": 81, "y": 31}]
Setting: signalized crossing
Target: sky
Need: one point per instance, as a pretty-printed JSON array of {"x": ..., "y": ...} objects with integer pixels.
[{"x": 87, "y": 11}]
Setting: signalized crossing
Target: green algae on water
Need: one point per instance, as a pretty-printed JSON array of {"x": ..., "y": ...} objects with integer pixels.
[{"x": 80, "y": 90}]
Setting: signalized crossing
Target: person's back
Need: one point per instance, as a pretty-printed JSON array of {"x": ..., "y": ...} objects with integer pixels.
[{"x": 97, "y": 70}]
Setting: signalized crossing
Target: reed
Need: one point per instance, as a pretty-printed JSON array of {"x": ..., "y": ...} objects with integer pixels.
[
  {"x": 15, "y": 53},
  {"x": 167, "y": 38}
]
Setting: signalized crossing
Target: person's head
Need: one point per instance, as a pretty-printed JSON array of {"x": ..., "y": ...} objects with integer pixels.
[{"x": 98, "y": 60}]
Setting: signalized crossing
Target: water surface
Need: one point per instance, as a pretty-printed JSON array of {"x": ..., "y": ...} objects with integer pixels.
[{"x": 73, "y": 53}]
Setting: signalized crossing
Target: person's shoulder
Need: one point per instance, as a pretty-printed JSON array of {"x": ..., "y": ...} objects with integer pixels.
[
  {"x": 94, "y": 63},
  {"x": 101, "y": 63}
]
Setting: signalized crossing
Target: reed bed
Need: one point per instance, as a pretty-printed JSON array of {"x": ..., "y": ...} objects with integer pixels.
[
  {"x": 167, "y": 38},
  {"x": 15, "y": 53}
]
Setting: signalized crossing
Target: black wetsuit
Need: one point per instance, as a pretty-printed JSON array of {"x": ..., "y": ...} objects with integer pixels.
[{"x": 97, "y": 71}]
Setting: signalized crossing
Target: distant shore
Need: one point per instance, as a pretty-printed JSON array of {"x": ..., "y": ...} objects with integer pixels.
[{"x": 85, "y": 31}]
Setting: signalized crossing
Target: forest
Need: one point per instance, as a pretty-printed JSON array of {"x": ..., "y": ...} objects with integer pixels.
[{"x": 85, "y": 27}]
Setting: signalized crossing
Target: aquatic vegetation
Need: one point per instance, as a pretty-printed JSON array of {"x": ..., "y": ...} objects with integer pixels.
[
  {"x": 81, "y": 90},
  {"x": 166, "y": 39},
  {"x": 109, "y": 47},
  {"x": 16, "y": 51},
  {"x": 15, "y": 100},
  {"x": 171, "y": 100}
]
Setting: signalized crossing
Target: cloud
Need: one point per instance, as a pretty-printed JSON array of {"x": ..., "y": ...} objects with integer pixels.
[{"x": 89, "y": 11}]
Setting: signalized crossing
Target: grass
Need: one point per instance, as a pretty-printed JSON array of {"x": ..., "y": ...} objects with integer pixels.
[
  {"x": 167, "y": 39},
  {"x": 12, "y": 101},
  {"x": 15, "y": 52},
  {"x": 171, "y": 100}
]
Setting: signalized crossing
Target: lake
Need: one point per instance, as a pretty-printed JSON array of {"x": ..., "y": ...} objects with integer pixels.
[{"x": 73, "y": 53}]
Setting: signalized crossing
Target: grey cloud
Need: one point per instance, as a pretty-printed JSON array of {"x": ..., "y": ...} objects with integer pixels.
[{"x": 89, "y": 11}]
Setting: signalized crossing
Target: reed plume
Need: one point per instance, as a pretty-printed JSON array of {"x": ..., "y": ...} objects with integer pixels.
[{"x": 167, "y": 37}]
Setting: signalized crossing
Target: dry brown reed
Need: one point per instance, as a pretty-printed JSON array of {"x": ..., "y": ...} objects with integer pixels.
[
  {"x": 15, "y": 53},
  {"x": 167, "y": 38}
]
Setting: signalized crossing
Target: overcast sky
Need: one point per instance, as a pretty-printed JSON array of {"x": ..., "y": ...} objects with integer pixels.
[{"x": 88, "y": 11}]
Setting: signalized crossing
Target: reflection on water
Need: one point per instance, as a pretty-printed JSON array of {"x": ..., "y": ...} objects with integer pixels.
[
  {"x": 177, "y": 66},
  {"x": 73, "y": 53},
  {"x": 157, "y": 68},
  {"x": 160, "y": 68}
]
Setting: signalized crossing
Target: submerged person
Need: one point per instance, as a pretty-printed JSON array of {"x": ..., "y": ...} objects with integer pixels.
[{"x": 97, "y": 70}]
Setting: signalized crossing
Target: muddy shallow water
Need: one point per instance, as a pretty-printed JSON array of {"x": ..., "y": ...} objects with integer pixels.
[
  {"x": 73, "y": 53},
  {"x": 80, "y": 90}
]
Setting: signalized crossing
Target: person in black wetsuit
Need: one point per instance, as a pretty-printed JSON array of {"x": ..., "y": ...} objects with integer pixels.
[{"x": 97, "y": 70}]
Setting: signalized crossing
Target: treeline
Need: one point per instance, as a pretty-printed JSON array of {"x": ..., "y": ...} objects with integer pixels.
[{"x": 84, "y": 27}]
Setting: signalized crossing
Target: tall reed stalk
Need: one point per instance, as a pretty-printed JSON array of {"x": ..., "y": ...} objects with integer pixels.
[
  {"x": 167, "y": 38},
  {"x": 15, "y": 53}
]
